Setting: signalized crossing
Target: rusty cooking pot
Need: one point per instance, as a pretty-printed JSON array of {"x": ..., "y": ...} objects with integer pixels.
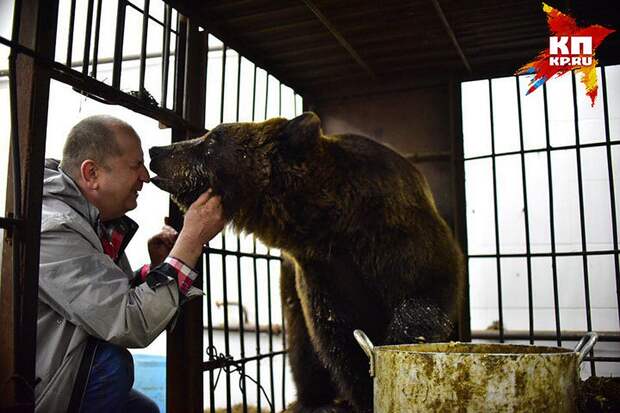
[{"x": 465, "y": 377}]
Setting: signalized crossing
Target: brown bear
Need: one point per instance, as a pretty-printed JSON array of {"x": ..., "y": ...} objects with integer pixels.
[{"x": 367, "y": 247}]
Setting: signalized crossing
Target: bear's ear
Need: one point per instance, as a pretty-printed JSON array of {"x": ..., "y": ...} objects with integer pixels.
[{"x": 302, "y": 131}]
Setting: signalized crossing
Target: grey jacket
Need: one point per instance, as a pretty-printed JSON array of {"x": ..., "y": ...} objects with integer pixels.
[{"x": 83, "y": 293}]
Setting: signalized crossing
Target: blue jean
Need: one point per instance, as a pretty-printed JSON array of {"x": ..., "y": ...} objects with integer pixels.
[{"x": 109, "y": 386}]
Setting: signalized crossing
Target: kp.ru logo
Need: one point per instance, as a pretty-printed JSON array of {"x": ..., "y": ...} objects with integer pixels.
[
  {"x": 580, "y": 53},
  {"x": 570, "y": 48}
]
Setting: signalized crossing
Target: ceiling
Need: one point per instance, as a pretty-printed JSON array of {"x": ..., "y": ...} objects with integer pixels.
[{"x": 326, "y": 48}]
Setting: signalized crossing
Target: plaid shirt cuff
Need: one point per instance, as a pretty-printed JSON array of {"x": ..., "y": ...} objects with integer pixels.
[
  {"x": 185, "y": 274},
  {"x": 144, "y": 271}
]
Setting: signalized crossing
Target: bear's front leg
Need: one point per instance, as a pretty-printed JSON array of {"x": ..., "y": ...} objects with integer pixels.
[
  {"x": 335, "y": 303},
  {"x": 315, "y": 390}
]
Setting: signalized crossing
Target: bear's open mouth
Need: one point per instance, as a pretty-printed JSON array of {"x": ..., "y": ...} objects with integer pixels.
[{"x": 163, "y": 183}]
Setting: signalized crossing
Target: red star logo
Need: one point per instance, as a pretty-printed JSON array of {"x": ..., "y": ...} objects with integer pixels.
[{"x": 544, "y": 67}]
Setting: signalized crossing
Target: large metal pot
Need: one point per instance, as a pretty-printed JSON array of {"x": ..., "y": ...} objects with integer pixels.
[{"x": 465, "y": 377}]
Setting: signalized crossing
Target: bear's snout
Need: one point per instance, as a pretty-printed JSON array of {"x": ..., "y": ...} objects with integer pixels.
[{"x": 158, "y": 151}]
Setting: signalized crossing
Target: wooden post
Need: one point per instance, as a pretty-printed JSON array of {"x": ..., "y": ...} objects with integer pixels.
[
  {"x": 185, "y": 342},
  {"x": 18, "y": 293}
]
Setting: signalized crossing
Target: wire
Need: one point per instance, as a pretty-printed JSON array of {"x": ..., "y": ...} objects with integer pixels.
[{"x": 229, "y": 362}]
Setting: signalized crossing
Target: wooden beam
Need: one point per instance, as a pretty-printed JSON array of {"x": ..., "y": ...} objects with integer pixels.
[
  {"x": 343, "y": 42},
  {"x": 442, "y": 16}
]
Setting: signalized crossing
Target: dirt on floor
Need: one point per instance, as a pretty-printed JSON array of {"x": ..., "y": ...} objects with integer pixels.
[{"x": 600, "y": 394}]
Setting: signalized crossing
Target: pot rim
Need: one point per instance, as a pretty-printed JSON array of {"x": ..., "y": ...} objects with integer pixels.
[{"x": 500, "y": 349}]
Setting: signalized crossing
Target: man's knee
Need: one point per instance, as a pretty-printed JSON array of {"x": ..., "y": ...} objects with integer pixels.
[{"x": 116, "y": 364}]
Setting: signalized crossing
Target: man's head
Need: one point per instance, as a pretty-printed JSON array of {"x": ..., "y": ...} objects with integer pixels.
[{"x": 104, "y": 157}]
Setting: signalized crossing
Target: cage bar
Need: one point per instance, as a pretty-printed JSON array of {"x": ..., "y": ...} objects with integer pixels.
[
  {"x": 496, "y": 218},
  {"x": 612, "y": 192},
  {"x": 556, "y": 303},
  {"x": 89, "y": 27}
]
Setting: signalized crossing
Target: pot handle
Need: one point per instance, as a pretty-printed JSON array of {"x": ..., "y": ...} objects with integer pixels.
[
  {"x": 369, "y": 348},
  {"x": 585, "y": 345}
]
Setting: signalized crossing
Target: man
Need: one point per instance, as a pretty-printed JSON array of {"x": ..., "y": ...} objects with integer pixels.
[{"x": 91, "y": 306}]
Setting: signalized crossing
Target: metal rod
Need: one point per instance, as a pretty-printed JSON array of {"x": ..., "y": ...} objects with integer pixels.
[
  {"x": 226, "y": 332},
  {"x": 612, "y": 192},
  {"x": 547, "y": 254},
  {"x": 556, "y": 302},
  {"x": 254, "y": 96},
  {"x": 607, "y": 336},
  {"x": 451, "y": 34},
  {"x": 87, "y": 36},
  {"x": 11, "y": 223},
  {"x": 240, "y": 294},
  {"x": 145, "y": 29},
  {"x": 222, "y": 95},
  {"x": 582, "y": 221},
  {"x": 166, "y": 55},
  {"x": 282, "y": 304},
  {"x": 266, "y": 93},
  {"x": 256, "y": 316},
  {"x": 96, "y": 45},
  {"x": 118, "y": 43},
  {"x": 496, "y": 218},
  {"x": 273, "y": 396},
  {"x": 70, "y": 38},
  {"x": 210, "y": 330},
  {"x": 210, "y": 366},
  {"x": 238, "y": 92},
  {"x": 546, "y": 149},
  {"x": 530, "y": 295},
  {"x": 154, "y": 19}
]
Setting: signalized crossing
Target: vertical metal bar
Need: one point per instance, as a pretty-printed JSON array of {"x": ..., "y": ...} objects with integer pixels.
[
  {"x": 530, "y": 299},
  {"x": 459, "y": 212},
  {"x": 165, "y": 55},
  {"x": 281, "y": 304},
  {"x": 240, "y": 294},
  {"x": 254, "y": 96},
  {"x": 256, "y": 316},
  {"x": 238, "y": 87},
  {"x": 96, "y": 45},
  {"x": 118, "y": 44},
  {"x": 224, "y": 50},
  {"x": 582, "y": 221},
  {"x": 495, "y": 209},
  {"x": 266, "y": 92},
  {"x": 87, "y": 36},
  {"x": 612, "y": 192},
  {"x": 210, "y": 331},
  {"x": 70, "y": 38},
  {"x": 556, "y": 302},
  {"x": 273, "y": 396},
  {"x": 145, "y": 30},
  {"x": 241, "y": 328},
  {"x": 226, "y": 331}
]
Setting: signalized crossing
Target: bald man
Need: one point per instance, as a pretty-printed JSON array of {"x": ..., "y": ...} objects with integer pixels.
[{"x": 92, "y": 306}]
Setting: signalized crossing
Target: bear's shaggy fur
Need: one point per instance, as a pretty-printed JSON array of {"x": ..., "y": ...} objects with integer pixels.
[{"x": 367, "y": 248}]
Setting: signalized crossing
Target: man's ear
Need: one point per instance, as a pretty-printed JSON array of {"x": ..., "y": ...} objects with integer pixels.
[
  {"x": 303, "y": 131},
  {"x": 89, "y": 172}
]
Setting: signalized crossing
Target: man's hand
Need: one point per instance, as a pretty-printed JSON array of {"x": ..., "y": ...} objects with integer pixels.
[
  {"x": 203, "y": 220},
  {"x": 161, "y": 244}
]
